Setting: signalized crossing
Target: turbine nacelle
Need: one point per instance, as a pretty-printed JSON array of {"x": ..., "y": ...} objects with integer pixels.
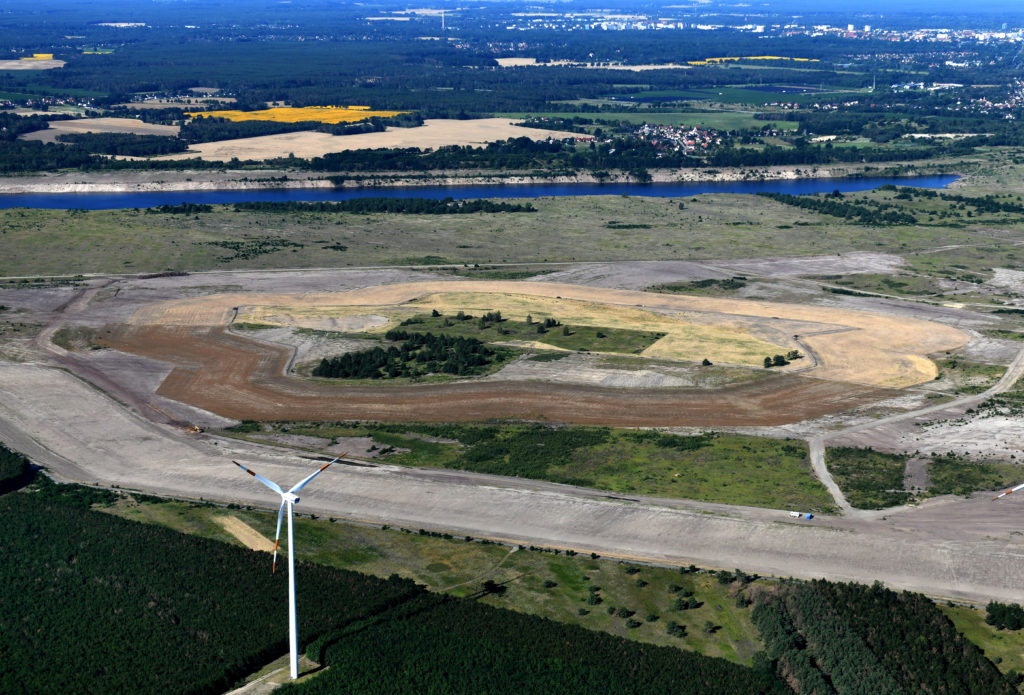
[{"x": 290, "y": 497}]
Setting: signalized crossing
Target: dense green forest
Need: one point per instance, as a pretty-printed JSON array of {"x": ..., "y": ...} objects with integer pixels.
[
  {"x": 15, "y": 469},
  {"x": 437, "y": 644},
  {"x": 115, "y": 606},
  {"x": 826, "y": 637},
  {"x": 418, "y": 354}
]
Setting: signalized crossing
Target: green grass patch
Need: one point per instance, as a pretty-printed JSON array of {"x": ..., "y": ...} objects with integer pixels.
[
  {"x": 1004, "y": 334},
  {"x": 869, "y": 479},
  {"x": 955, "y": 475},
  {"x": 1004, "y": 647},
  {"x": 899, "y": 284},
  {"x": 556, "y": 334},
  {"x": 459, "y": 567},
  {"x": 718, "y": 226},
  {"x": 969, "y": 377},
  {"x": 709, "y": 287},
  {"x": 726, "y": 468}
]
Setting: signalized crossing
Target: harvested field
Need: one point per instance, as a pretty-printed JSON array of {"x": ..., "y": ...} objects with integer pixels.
[
  {"x": 287, "y": 114},
  {"x": 100, "y": 125},
  {"x": 874, "y": 349},
  {"x": 30, "y": 64},
  {"x": 242, "y": 379},
  {"x": 432, "y": 134},
  {"x": 246, "y": 534}
]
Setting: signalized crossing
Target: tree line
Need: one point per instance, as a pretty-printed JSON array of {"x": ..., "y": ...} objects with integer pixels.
[
  {"x": 211, "y": 128},
  {"x": 826, "y": 638},
  {"x": 15, "y": 469},
  {"x": 419, "y": 354},
  {"x": 408, "y": 206},
  {"x": 833, "y": 206},
  {"x": 124, "y": 144}
]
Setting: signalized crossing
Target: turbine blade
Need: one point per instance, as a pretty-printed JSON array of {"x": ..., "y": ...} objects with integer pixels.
[
  {"x": 269, "y": 483},
  {"x": 302, "y": 484},
  {"x": 277, "y": 536},
  {"x": 1012, "y": 489}
]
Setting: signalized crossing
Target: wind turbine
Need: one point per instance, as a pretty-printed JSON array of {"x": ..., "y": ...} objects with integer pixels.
[
  {"x": 1004, "y": 494},
  {"x": 288, "y": 499}
]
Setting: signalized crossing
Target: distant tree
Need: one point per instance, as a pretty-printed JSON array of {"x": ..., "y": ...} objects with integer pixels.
[{"x": 675, "y": 629}]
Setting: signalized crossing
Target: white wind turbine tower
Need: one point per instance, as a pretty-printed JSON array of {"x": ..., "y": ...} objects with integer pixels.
[{"x": 288, "y": 499}]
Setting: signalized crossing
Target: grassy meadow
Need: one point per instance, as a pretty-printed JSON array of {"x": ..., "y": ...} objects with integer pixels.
[
  {"x": 541, "y": 582},
  {"x": 710, "y": 467},
  {"x": 564, "y": 229}
]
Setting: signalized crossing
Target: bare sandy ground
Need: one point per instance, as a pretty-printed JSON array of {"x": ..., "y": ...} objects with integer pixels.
[
  {"x": 638, "y": 275},
  {"x": 31, "y": 64},
  {"x": 100, "y": 125},
  {"x": 852, "y": 346},
  {"x": 432, "y": 134},
  {"x": 193, "y": 180},
  {"x": 967, "y": 549},
  {"x": 246, "y": 534}
]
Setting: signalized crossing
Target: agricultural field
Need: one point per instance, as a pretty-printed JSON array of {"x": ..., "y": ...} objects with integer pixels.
[
  {"x": 100, "y": 125},
  {"x": 289, "y": 114},
  {"x": 434, "y": 133}
]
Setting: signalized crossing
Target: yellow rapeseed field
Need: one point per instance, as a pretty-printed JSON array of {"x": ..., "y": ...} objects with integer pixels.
[
  {"x": 709, "y": 61},
  {"x": 289, "y": 114}
]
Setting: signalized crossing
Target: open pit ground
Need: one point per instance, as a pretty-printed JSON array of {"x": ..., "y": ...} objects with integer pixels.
[
  {"x": 967, "y": 549},
  {"x": 180, "y": 362}
]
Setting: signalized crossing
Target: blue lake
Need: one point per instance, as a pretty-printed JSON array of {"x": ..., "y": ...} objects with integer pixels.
[{"x": 107, "y": 201}]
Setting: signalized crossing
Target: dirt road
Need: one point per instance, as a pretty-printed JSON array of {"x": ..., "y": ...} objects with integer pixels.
[{"x": 950, "y": 409}]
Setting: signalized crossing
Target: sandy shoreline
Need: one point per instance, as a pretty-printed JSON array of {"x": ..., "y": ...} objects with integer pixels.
[{"x": 155, "y": 181}]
